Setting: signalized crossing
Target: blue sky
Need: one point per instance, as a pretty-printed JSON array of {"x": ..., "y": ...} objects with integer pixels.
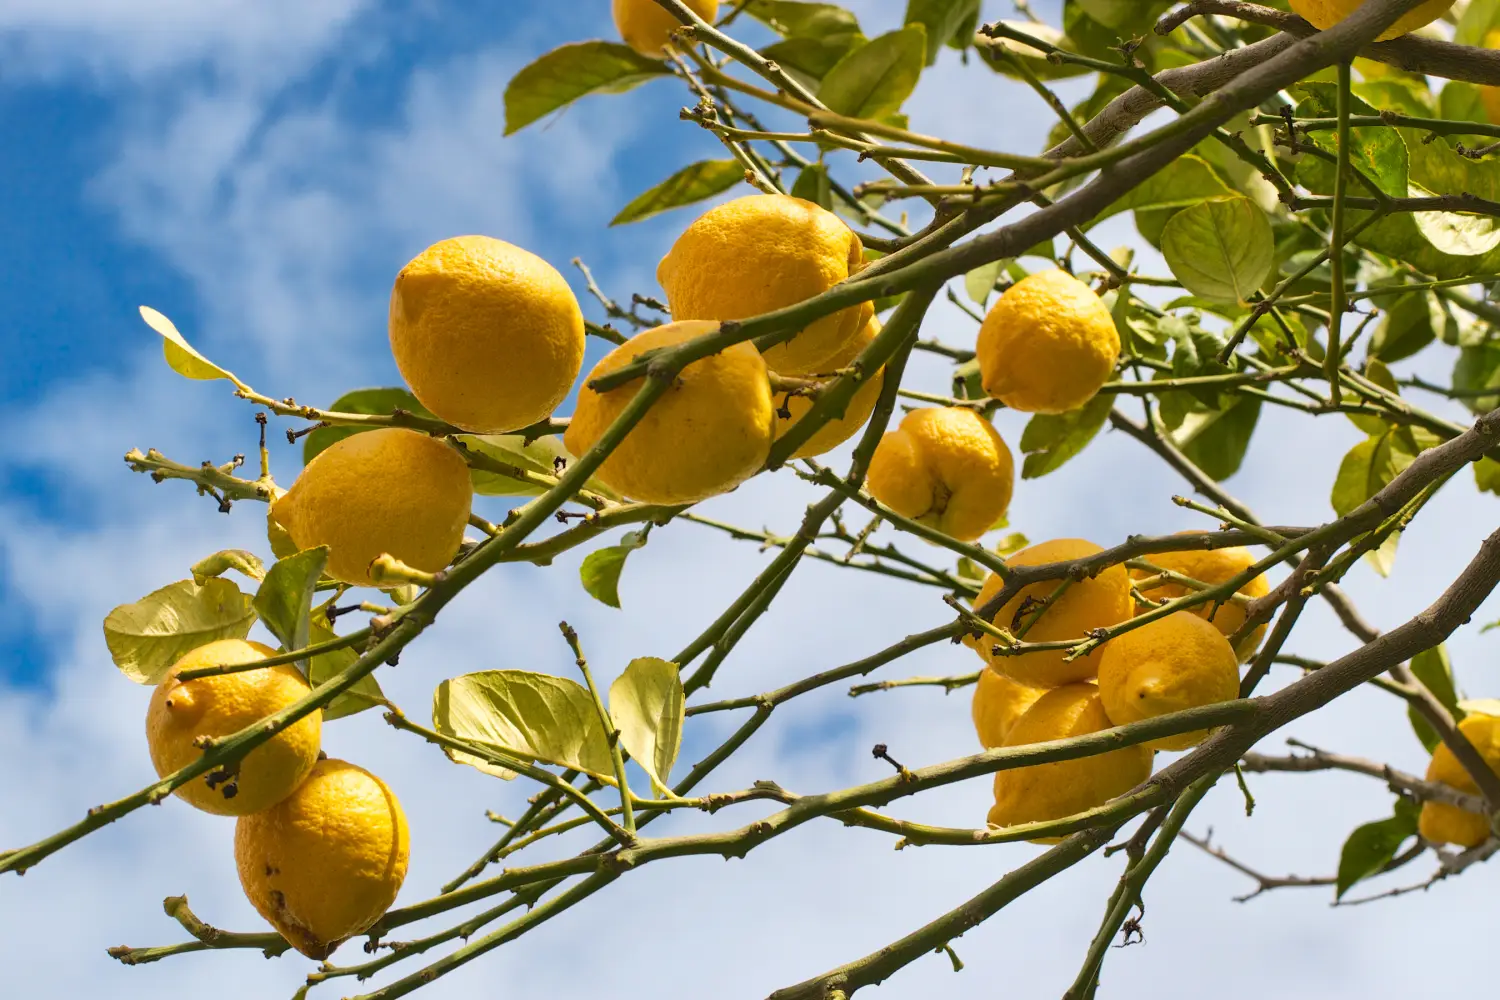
[{"x": 259, "y": 172}]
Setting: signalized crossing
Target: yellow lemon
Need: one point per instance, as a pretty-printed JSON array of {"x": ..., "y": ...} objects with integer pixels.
[
  {"x": 325, "y": 863},
  {"x": 1490, "y": 96},
  {"x": 1324, "y": 14},
  {"x": 1167, "y": 665},
  {"x": 221, "y": 705},
  {"x": 1211, "y": 566},
  {"x": 488, "y": 336},
  {"x": 646, "y": 27},
  {"x": 1044, "y": 792},
  {"x": 709, "y": 432},
  {"x": 389, "y": 490},
  {"x": 1047, "y": 345},
  {"x": 763, "y": 252},
  {"x": 998, "y": 703},
  {"x": 946, "y": 467},
  {"x": 856, "y": 413},
  {"x": 1441, "y": 823},
  {"x": 1095, "y": 602}
]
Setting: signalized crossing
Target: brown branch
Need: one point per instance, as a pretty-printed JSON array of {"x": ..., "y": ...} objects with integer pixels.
[
  {"x": 1398, "y": 781},
  {"x": 1264, "y": 883}
]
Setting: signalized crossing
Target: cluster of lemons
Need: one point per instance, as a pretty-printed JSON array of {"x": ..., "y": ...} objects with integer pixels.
[{"x": 320, "y": 844}]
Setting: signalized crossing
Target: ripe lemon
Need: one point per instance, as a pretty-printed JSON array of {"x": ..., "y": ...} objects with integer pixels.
[
  {"x": 221, "y": 705},
  {"x": 488, "y": 336},
  {"x": 1168, "y": 665},
  {"x": 1324, "y": 14},
  {"x": 709, "y": 432},
  {"x": 1211, "y": 566},
  {"x": 327, "y": 862},
  {"x": 1441, "y": 823},
  {"x": 1490, "y": 96},
  {"x": 1047, "y": 345},
  {"x": 762, "y": 252},
  {"x": 947, "y": 467},
  {"x": 856, "y": 413},
  {"x": 1051, "y": 791},
  {"x": 647, "y": 28},
  {"x": 1097, "y": 602},
  {"x": 389, "y": 490},
  {"x": 998, "y": 703}
]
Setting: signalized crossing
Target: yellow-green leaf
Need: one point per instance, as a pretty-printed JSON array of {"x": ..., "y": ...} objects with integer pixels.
[
  {"x": 1220, "y": 249},
  {"x": 183, "y": 358},
  {"x": 147, "y": 637},
  {"x": 875, "y": 79},
  {"x": 646, "y": 704},
  {"x": 284, "y": 600},
  {"x": 572, "y": 71},
  {"x": 693, "y": 183},
  {"x": 530, "y": 715},
  {"x": 364, "y": 694},
  {"x": 247, "y": 563}
]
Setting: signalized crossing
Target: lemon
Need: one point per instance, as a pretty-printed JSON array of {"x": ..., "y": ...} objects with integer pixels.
[
  {"x": 389, "y": 490},
  {"x": 221, "y": 705},
  {"x": 763, "y": 252},
  {"x": 998, "y": 703},
  {"x": 840, "y": 429},
  {"x": 1211, "y": 566},
  {"x": 327, "y": 862},
  {"x": 1441, "y": 823},
  {"x": 1167, "y": 665},
  {"x": 488, "y": 336},
  {"x": 647, "y": 27},
  {"x": 1047, "y": 345},
  {"x": 708, "y": 433},
  {"x": 946, "y": 467},
  {"x": 1044, "y": 792},
  {"x": 1490, "y": 96},
  {"x": 1324, "y": 14},
  {"x": 1097, "y": 602}
]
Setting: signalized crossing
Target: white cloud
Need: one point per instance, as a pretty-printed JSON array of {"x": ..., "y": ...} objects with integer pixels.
[{"x": 288, "y": 225}]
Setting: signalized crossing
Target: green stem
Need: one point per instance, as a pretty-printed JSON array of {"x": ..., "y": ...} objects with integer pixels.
[{"x": 611, "y": 732}]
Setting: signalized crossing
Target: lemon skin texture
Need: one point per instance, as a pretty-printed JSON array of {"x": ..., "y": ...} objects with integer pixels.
[
  {"x": 1167, "y": 665},
  {"x": 383, "y": 491},
  {"x": 840, "y": 429},
  {"x": 1323, "y": 14},
  {"x": 488, "y": 336},
  {"x": 998, "y": 703},
  {"x": 1441, "y": 823},
  {"x": 325, "y": 863},
  {"x": 709, "y": 432},
  {"x": 764, "y": 252},
  {"x": 1211, "y": 566},
  {"x": 1044, "y": 792},
  {"x": 647, "y": 28},
  {"x": 1096, "y": 602},
  {"x": 1047, "y": 345},
  {"x": 946, "y": 467},
  {"x": 222, "y": 705},
  {"x": 1490, "y": 96}
]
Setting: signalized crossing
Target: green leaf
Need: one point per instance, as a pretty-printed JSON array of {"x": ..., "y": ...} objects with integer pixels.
[
  {"x": 1371, "y": 846},
  {"x": 646, "y": 705},
  {"x": 1487, "y": 476},
  {"x": 147, "y": 637},
  {"x": 794, "y": 19},
  {"x": 1186, "y": 181},
  {"x": 980, "y": 282},
  {"x": 381, "y": 401},
  {"x": 247, "y": 563},
  {"x": 1405, "y": 328},
  {"x": 1216, "y": 441},
  {"x": 284, "y": 600},
  {"x": 530, "y": 715},
  {"x": 1128, "y": 17},
  {"x": 364, "y": 694},
  {"x": 812, "y": 56},
  {"x": 1434, "y": 670},
  {"x": 693, "y": 183},
  {"x": 572, "y": 71},
  {"x": 1478, "y": 369},
  {"x": 601, "y": 568},
  {"x": 812, "y": 185},
  {"x": 1220, "y": 249},
  {"x": 1035, "y": 59},
  {"x": 875, "y": 79},
  {"x": 941, "y": 19},
  {"x": 1478, "y": 20},
  {"x": 1049, "y": 440},
  {"x": 1377, "y": 152},
  {"x": 183, "y": 358}
]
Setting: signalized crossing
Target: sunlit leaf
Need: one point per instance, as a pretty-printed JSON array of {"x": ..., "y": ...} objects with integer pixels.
[
  {"x": 875, "y": 79},
  {"x": 1371, "y": 846},
  {"x": 646, "y": 705},
  {"x": 381, "y": 401},
  {"x": 980, "y": 282},
  {"x": 1220, "y": 249},
  {"x": 941, "y": 19},
  {"x": 147, "y": 637},
  {"x": 529, "y": 715},
  {"x": 795, "y": 19},
  {"x": 693, "y": 183},
  {"x": 572, "y": 71},
  {"x": 183, "y": 358},
  {"x": 284, "y": 600},
  {"x": 247, "y": 563},
  {"x": 601, "y": 569}
]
